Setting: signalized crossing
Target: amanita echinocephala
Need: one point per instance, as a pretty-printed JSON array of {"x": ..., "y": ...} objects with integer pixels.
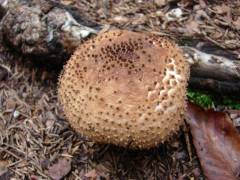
[{"x": 125, "y": 88}]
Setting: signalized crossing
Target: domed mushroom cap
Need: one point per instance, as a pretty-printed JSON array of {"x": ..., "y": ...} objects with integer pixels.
[{"x": 125, "y": 88}]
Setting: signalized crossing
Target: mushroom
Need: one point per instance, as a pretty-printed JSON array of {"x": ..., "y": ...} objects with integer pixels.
[{"x": 125, "y": 88}]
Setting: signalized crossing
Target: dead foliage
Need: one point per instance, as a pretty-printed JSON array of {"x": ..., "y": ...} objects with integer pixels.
[
  {"x": 216, "y": 141},
  {"x": 60, "y": 169}
]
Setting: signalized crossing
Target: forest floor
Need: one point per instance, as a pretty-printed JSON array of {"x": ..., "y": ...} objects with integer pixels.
[{"x": 38, "y": 143}]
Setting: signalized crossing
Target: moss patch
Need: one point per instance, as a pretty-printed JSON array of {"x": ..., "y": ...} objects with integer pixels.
[{"x": 208, "y": 100}]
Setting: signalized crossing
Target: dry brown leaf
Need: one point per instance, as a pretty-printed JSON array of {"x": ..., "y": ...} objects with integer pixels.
[
  {"x": 202, "y": 3},
  {"x": 225, "y": 12},
  {"x": 120, "y": 19},
  {"x": 3, "y": 168},
  {"x": 192, "y": 28},
  {"x": 217, "y": 143},
  {"x": 5, "y": 173},
  {"x": 91, "y": 174},
  {"x": 60, "y": 169},
  {"x": 160, "y": 3},
  {"x": 222, "y": 9},
  {"x": 67, "y": 2},
  {"x": 237, "y": 23},
  {"x": 100, "y": 172}
]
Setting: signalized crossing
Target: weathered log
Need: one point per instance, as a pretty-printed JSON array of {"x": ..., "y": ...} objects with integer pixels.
[
  {"x": 219, "y": 88},
  {"x": 43, "y": 29},
  {"x": 213, "y": 73},
  {"x": 49, "y": 30},
  {"x": 206, "y": 65}
]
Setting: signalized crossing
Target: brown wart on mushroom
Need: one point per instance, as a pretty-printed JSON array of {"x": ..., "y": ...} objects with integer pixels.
[{"x": 125, "y": 88}]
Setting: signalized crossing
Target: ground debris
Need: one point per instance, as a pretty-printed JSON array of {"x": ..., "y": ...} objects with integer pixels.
[
  {"x": 100, "y": 172},
  {"x": 60, "y": 169},
  {"x": 216, "y": 141},
  {"x": 213, "y": 22}
]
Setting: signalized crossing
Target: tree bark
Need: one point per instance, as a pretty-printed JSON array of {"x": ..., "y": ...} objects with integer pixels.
[{"x": 50, "y": 32}]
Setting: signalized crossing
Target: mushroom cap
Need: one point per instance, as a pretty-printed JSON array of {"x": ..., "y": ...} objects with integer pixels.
[{"x": 125, "y": 88}]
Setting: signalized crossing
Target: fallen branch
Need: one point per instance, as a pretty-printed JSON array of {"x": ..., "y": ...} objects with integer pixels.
[
  {"x": 213, "y": 73},
  {"x": 211, "y": 66},
  {"x": 47, "y": 30}
]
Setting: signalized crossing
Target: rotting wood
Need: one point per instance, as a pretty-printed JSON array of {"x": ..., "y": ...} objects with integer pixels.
[{"x": 213, "y": 73}]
